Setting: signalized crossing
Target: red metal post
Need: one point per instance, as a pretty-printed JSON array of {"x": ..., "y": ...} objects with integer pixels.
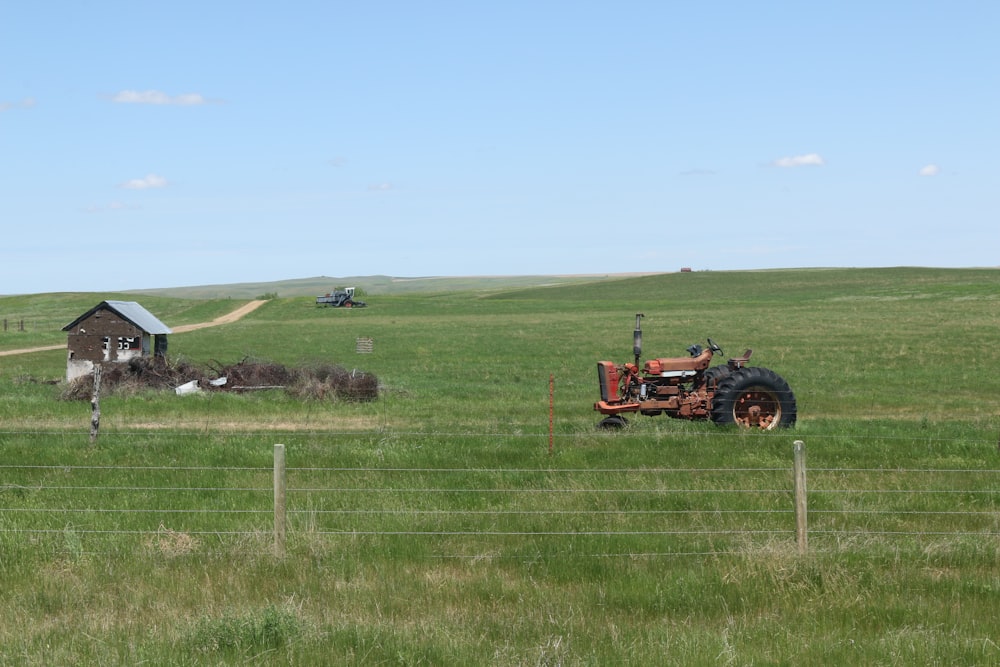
[{"x": 552, "y": 389}]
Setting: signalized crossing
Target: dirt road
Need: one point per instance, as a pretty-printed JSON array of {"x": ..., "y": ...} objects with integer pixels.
[{"x": 228, "y": 318}]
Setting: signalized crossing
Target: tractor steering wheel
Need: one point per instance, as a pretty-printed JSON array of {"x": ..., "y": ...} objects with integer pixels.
[{"x": 713, "y": 347}]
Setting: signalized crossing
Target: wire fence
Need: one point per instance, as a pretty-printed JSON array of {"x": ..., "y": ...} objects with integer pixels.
[
  {"x": 472, "y": 512},
  {"x": 13, "y": 324}
]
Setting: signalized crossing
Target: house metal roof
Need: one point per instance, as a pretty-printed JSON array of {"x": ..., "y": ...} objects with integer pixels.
[{"x": 127, "y": 310}]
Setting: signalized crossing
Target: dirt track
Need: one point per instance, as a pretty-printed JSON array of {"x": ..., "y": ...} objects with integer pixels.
[{"x": 228, "y": 318}]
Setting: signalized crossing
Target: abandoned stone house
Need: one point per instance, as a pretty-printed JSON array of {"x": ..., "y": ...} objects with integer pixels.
[{"x": 112, "y": 332}]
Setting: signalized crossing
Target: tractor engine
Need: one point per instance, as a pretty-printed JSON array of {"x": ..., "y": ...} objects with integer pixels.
[{"x": 660, "y": 387}]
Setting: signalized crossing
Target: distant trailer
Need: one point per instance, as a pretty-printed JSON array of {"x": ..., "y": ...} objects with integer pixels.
[{"x": 341, "y": 298}]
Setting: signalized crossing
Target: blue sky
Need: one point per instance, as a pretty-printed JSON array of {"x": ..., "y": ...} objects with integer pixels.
[{"x": 189, "y": 143}]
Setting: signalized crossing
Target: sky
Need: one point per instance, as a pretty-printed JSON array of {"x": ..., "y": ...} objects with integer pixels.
[{"x": 147, "y": 145}]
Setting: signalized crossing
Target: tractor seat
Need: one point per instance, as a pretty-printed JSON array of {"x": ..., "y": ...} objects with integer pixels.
[{"x": 740, "y": 362}]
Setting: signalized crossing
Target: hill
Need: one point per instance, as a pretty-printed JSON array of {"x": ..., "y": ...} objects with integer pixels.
[{"x": 378, "y": 284}]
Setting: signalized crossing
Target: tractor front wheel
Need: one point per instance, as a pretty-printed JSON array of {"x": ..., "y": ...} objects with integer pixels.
[
  {"x": 755, "y": 398},
  {"x": 613, "y": 422}
]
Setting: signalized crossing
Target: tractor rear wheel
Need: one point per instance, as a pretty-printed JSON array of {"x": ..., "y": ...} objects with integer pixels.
[
  {"x": 715, "y": 374},
  {"x": 755, "y": 398}
]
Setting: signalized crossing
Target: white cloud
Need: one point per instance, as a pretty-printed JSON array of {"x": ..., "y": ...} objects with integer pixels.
[
  {"x": 150, "y": 181},
  {"x": 930, "y": 170},
  {"x": 157, "y": 97},
  {"x": 26, "y": 103},
  {"x": 810, "y": 159},
  {"x": 380, "y": 187}
]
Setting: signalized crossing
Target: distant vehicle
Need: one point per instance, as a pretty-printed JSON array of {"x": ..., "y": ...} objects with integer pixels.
[{"x": 340, "y": 298}]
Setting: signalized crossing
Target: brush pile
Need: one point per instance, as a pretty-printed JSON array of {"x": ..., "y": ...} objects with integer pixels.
[{"x": 318, "y": 380}]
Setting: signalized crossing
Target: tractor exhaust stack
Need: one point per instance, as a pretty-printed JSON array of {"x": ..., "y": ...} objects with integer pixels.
[{"x": 637, "y": 337}]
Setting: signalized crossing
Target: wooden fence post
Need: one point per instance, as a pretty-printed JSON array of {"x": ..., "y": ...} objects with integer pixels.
[
  {"x": 95, "y": 405},
  {"x": 279, "y": 500},
  {"x": 801, "y": 530}
]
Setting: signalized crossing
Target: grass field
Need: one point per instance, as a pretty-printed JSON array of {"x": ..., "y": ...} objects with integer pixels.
[{"x": 435, "y": 525}]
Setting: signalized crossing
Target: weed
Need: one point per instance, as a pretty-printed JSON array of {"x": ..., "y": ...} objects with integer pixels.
[{"x": 247, "y": 634}]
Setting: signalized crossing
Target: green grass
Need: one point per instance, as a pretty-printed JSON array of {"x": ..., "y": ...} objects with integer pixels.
[{"x": 471, "y": 543}]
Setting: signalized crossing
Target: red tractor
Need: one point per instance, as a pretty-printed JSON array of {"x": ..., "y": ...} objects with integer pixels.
[{"x": 691, "y": 388}]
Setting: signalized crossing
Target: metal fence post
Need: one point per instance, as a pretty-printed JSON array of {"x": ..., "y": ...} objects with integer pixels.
[
  {"x": 552, "y": 393},
  {"x": 801, "y": 531},
  {"x": 279, "y": 500}
]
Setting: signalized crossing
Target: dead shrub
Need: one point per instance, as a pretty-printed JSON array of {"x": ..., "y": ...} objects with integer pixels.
[
  {"x": 251, "y": 373},
  {"x": 133, "y": 377},
  {"x": 319, "y": 380},
  {"x": 171, "y": 543},
  {"x": 325, "y": 380}
]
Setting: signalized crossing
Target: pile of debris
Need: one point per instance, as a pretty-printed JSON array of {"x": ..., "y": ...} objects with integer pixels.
[{"x": 319, "y": 380}]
